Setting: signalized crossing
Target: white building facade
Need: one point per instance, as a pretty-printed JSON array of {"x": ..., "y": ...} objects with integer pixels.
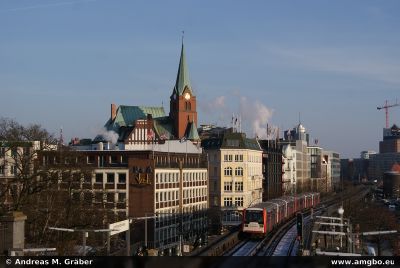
[{"x": 289, "y": 178}]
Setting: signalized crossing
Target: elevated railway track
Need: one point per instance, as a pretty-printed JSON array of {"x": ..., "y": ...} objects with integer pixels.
[{"x": 282, "y": 240}]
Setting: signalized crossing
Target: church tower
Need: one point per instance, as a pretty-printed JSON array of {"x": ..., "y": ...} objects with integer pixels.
[{"x": 183, "y": 103}]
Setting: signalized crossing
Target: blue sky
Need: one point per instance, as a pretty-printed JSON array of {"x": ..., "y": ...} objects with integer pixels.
[{"x": 62, "y": 62}]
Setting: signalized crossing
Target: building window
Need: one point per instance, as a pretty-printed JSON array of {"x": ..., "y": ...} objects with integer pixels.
[
  {"x": 2, "y": 152},
  {"x": 121, "y": 178},
  {"x": 99, "y": 177},
  {"x": 14, "y": 152},
  {"x": 239, "y": 171},
  {"x": 110, "y": 177},
  {"x": 238, "y": 186},
  {"x": 98, "y": 197},
  {"x": 232, "y": 143},
  {"x": 90, "y": 159},
  {"x": 110, "y": 197},
  {"x": 101, "y": 161},
  {"x": 121, "y": 197},
  {"x": 2, "y": 169},
  {"x": 239, "y": 201},
  {"x": 227, "y": 201},
  {"x": 14, "y": 170},
  {"x": 87, "y": 177},
  {"x": 228, "y": 171},
  {"x": 113, "y": 159},
  {"x": 239, "y": 158},
  {"x": 228, "y": 186},
  {"x": 228, "y": 158}
]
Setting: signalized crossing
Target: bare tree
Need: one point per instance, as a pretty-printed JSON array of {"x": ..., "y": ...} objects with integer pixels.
[
  {"x": 70, "y": 203},
  {"x": 11, "y": 130},
  {"x": 372, "y": 217},
  {"x": 46, "y": 183},
  {"x": 19, "y": 151}
]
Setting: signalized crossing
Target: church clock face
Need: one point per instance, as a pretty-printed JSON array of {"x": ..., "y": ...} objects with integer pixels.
[{"x": 187, "y": 96}]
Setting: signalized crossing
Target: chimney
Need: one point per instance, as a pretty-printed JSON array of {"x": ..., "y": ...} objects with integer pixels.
[{"x": 113, "y": 111}]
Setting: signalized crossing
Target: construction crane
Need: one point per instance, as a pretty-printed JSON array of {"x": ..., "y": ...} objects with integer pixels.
[{"x": 386, "y": 107}]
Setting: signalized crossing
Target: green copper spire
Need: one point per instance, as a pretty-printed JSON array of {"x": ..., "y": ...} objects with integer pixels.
[
  {"x": 182, "y": 78},
  {"x": 192, "y": 133}
]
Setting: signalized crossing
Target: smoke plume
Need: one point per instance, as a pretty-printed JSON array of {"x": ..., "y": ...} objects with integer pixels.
[
  {"x": 109, "y": 135},
  {"x": 258, "y": 115}
]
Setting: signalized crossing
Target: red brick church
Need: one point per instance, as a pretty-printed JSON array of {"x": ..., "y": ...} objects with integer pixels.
[{"x": 137, "y": 125}]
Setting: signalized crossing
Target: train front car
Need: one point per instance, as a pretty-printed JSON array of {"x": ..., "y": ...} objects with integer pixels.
[{"x": 254, "y": 221}]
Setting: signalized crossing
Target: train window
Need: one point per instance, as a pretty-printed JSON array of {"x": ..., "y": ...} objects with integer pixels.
[{"x": 254, "y": 216}]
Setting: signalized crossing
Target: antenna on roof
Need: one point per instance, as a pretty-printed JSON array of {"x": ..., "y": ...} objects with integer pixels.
[
  {"x": 61, "y": 140},
  {"x": 299, "y": 118}
]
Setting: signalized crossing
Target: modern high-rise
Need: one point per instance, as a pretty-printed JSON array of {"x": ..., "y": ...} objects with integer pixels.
[{"x": 389, "y": 153}]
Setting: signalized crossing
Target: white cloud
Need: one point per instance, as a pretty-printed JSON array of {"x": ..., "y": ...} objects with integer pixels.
[
  {"x": 216, "y": 104},
  {"x": 358, "y": 62},
  {"x": 219, "y": 101}
]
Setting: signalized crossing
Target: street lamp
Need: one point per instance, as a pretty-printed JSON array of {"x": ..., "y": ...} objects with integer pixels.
[
  {"x": 85, "y": 233},
  {"x": 145, "y": 218},
  {"x": 341, "y": 212}
]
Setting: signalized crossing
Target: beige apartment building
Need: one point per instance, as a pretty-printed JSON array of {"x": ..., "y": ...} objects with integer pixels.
[{"x": 235, "y": 171}]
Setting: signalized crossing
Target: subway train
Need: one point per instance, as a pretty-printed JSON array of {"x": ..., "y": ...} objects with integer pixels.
[{"x": 261, "y": 218}]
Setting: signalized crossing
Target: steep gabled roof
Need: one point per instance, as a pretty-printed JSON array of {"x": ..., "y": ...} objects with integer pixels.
[
  {"x": 191, "y": 132},
  {"x": 182, "y": 78},
  {"x": 126, "y": 115},
  {"x": 164, "y": 127}
]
